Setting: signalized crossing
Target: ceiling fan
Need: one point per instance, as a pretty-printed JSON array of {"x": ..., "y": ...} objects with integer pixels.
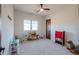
[{"x": 42, "y": 8}]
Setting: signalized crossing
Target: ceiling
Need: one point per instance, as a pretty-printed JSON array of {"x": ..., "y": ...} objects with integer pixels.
[{"x": 32, "y": 8}]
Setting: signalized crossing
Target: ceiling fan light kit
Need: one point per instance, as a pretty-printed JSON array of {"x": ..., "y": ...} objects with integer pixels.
[{"x": 41, "y": 9}]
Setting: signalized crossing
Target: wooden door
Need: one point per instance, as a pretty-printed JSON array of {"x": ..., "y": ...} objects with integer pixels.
[{"x": 48, "y": 28}]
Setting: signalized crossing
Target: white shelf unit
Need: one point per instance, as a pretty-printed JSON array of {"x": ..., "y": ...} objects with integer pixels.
[{"x": 14, "y": 48}]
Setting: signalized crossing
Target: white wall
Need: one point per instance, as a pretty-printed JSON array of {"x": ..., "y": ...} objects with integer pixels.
[
  {"x": 7, "y": 26},
  {"x": 0, "y": 25},
  {"x": 21, "y": 16},
  {"x": 0, "y": 18},
  {"x": 66, "y": 20}
]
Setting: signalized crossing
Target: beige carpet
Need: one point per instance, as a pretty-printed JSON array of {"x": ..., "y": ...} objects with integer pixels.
[{"x": 42, "y": 47}]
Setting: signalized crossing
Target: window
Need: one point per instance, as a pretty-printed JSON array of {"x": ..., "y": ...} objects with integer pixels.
[
  {"x": 30, "y": 25},
  {"x": 34, "y": 25},
  {"x": 27, "y": 24}
]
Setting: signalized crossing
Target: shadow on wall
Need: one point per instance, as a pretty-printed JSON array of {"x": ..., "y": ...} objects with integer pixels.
[{"x": 70, "y": 36}]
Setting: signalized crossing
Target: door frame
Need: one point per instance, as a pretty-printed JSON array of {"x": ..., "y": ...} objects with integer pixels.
[{"x": 46, "y": 28}]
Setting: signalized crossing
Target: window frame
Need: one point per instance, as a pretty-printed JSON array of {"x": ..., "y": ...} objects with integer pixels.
[{"x": 30, "y": 25}]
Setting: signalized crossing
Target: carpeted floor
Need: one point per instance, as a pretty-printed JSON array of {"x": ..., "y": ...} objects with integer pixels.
[{"x": 42, "y": 47}]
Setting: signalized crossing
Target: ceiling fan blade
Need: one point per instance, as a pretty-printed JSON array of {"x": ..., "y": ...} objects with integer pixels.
[{"x": 46, "y": 8}]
